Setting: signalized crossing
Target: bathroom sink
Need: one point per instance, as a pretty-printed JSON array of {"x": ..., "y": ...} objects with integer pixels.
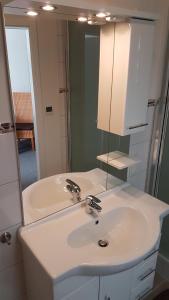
[
  {"x": 127, "y": 230},
  {"x": 49, "y": 195},
  {"x": 124, "y": 231}
]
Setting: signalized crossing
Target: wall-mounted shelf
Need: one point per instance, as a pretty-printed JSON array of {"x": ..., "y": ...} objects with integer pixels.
[{"x": 118, "y": 160}]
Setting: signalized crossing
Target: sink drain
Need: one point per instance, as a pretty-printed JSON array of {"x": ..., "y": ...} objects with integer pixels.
[{"x": 103, "y": 243}]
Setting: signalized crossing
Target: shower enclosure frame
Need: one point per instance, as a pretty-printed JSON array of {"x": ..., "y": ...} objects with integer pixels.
[{"x": 161, "y": 117}]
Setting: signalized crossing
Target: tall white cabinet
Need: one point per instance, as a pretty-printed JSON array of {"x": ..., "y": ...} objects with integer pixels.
[{"x": 126, "y": 52}]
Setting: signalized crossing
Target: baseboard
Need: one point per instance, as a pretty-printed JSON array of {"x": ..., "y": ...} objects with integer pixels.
[{"x": 163, "y": 266}]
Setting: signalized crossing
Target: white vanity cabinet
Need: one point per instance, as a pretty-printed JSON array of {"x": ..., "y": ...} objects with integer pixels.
[
  {"x": 69, "y": 264},
  {"x": 116, "y": 286},
  {"x": 126, "y": 52},
  {"x": 131, "y": 284},
  {"x": 90, "y": 290},
  {"x": 77, "y": 287}
]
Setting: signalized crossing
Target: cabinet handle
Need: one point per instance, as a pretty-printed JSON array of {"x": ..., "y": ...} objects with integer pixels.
[
  {"x": 138, "y": 126},
  {"x": 107, "y": 298},
  {"x": 143, "y": 294},
  {"x": 146, "y": 274},
  {"x": 63, "y": 90},
  {"x": 151, "y": 253}
]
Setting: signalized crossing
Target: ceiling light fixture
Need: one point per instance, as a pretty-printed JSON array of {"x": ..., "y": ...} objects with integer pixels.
[
  {"x": 108, "y": 19},
  {"x": 48, "y": 7},
  {"x": 96, "y": 22},
  {"x": 102, "y": 15},
  {"x": 117, "y": 19},
  {"x": 92, "y": 21},
  {"x": 32, "y": 13},
  {"x": 82, "y": 19}
]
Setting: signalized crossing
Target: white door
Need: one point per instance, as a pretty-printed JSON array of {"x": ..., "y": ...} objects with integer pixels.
[
  {"x": 115, "y": 287},
  {"x": 89, "y": 291}
]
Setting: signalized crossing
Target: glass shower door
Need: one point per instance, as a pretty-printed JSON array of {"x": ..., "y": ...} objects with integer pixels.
[{"x": 163, "y": 192}]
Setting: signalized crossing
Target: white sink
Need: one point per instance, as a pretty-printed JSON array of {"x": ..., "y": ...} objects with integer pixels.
[
  {"x": 67, "y": 243},
  {"x": 125, "y": 229},
  {"x": 50, "y": 195}
]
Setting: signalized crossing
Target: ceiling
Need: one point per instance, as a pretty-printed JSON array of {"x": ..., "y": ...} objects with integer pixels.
[
  {"x": 21, "y": 7},
  {"x": 72, "y": 8}
]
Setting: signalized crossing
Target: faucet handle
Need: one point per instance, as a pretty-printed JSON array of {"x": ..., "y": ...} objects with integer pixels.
[
  {"x": 73, "y": 184},
  {"x": 92, "y": 206},
  {"x": 95, "y": 206},
  {"x": 93, "y": 198}
]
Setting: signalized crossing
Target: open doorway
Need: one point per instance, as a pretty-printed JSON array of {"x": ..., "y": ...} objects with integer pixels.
[{"x": 18, "y": 48}]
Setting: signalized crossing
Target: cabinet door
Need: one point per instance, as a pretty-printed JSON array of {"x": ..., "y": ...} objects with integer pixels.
[
  {"x": 139, "y": 76},
  {"x": 133, "y": 53},
  {"x": 105, "y": 76},
  {"x": 126, "y": 52},
  {"x": 87, "y": 291},
  {"x": 116, "y": 287}
]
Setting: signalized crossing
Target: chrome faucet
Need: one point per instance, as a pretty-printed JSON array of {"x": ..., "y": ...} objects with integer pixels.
[
  {"x": 74, "y": 189},
  {"x": 92, "y": 206}
]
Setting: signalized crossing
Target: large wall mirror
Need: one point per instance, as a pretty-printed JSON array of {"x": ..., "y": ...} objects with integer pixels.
[{"x": 54, "y": 71}]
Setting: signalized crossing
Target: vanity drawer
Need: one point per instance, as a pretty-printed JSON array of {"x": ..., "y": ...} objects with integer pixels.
[
  {"x": 143, "y": 270},
  {"x": 69, "y": 286},
  {"x": 141, "y": 291}
]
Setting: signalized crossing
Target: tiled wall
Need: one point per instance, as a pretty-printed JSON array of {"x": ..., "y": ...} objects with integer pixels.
[
  {"x": 139, "y": 148},
  {"x": 11, "y": 275},
  {"x": 11, "y": 267}
]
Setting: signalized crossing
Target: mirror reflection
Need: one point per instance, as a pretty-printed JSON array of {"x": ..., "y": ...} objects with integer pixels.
[{"x": 54, "y": 71}]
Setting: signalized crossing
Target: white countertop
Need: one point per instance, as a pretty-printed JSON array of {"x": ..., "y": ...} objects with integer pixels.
[{"x": 51, "y": 242}]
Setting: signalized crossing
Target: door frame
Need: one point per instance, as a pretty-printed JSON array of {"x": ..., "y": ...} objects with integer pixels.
[{"x": 30, "y": 24}]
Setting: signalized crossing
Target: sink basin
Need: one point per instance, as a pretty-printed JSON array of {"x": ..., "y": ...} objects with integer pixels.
[
  {"x": 50, "y": 195},
  {"x": 129, "y": 223},
  {"x": 125, "y": 229}
]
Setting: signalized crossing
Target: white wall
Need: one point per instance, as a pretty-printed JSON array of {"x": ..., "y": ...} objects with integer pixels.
[
  {"x": 52, "y": 34},
  {"x": 18, "y": 59},
  {"x": 11, "y": 285},
  {"x": 11, "y": 274}
]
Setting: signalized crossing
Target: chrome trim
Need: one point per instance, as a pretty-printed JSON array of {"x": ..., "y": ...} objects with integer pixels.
[
  {"x": 161, "y": 114},
  {"x": 146, "y": 274},
  {"x": 143, "y": 294},
  {"x": 153, "y": 102},
  {"x": 69, "y": 138},
  {"x": 92, "y": 206},
  {"x": 151, "y": 254},
  {"x": 74, "y": 189},
  {"x": 138, "y": 126},
  {"x": 63, "y": 90}
]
